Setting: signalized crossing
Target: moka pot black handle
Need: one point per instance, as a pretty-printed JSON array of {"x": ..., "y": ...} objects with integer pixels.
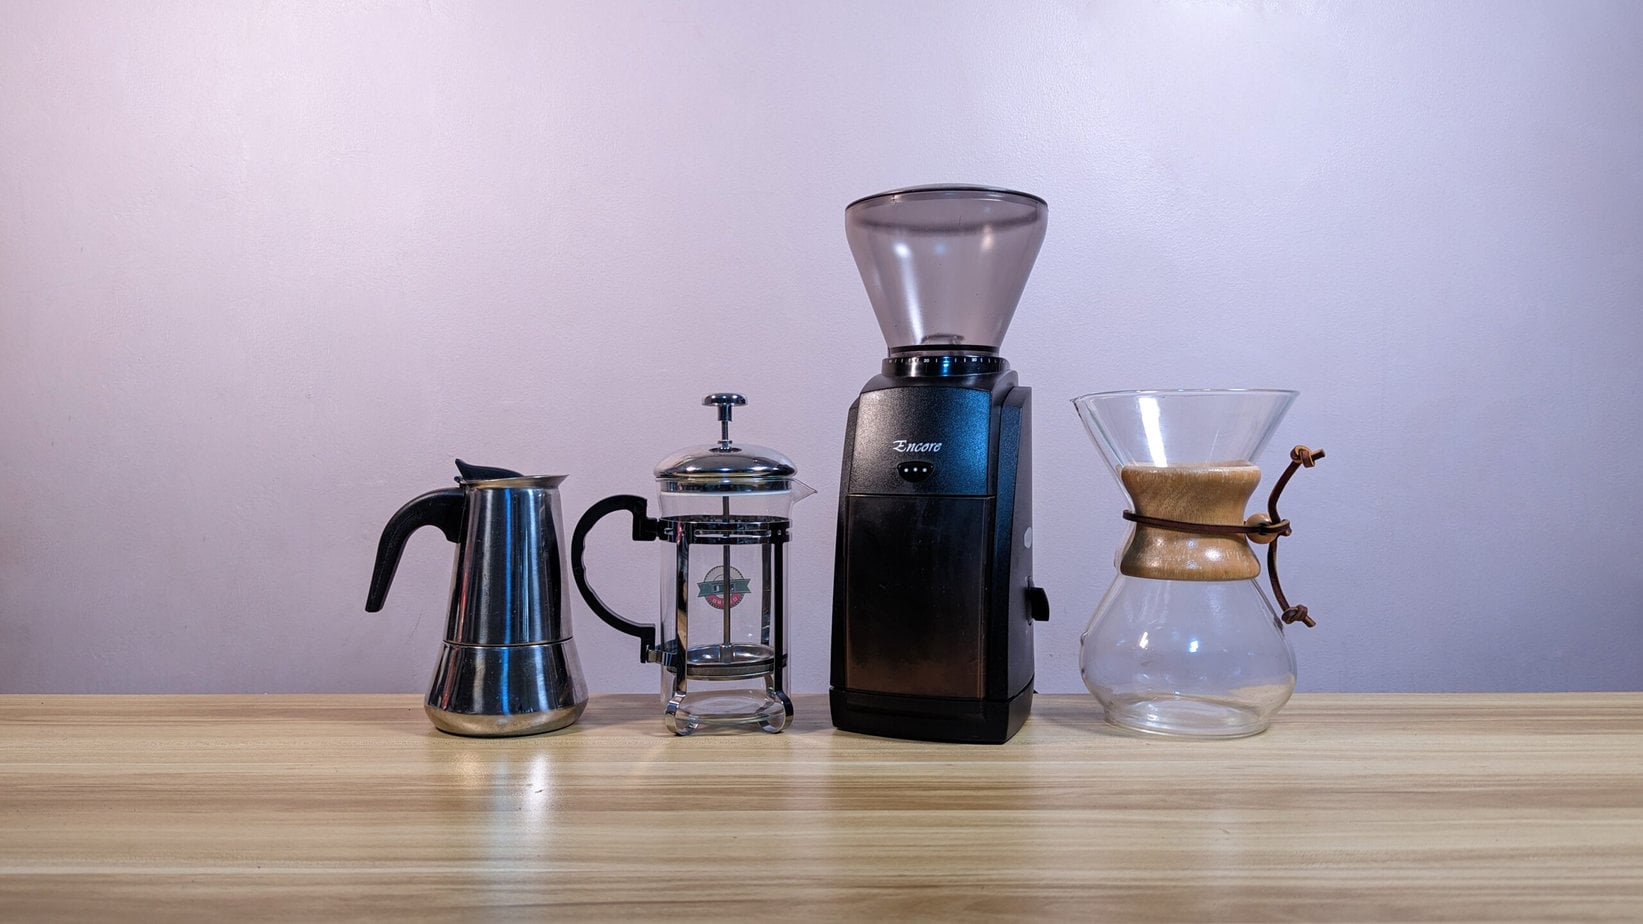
[
  {"x": 644, "y": 530},
  {"x": 444, "y": 509}
]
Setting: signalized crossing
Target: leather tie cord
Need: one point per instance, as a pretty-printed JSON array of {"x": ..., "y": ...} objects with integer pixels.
[
  {"x": 1298, "y": 457},
  {"x": 1270, "y": 525}
]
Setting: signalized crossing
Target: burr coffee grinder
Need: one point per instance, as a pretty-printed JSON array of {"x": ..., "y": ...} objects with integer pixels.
[
  {"x": 933, "y": 597},
  {"x": 723, "y": 644}
]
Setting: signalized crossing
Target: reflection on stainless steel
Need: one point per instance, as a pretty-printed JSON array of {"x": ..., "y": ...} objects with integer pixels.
[
  {"x": 734, "y": 660},
  {"x": 508, "y": 665},
  {"x": 510, "y": 586},
  {"x": 512, "y": 690}
]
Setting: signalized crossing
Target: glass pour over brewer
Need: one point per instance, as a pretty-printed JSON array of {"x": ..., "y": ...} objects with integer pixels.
[
  {"x": 1185, "y": 642},
  {"x": 723, "y": 643}
]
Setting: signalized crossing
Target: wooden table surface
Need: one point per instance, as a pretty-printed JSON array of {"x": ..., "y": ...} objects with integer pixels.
[{"x": 1408, "y": 807}]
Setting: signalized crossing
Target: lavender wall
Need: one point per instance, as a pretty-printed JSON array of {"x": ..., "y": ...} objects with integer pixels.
[{"x": 266, "y": 268}]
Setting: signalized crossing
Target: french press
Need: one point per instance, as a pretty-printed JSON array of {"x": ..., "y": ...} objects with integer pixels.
[{"x": 722, "y": 646}]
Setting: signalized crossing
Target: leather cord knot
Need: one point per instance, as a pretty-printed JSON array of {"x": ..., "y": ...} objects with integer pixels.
[{"x": 1298, "y": 614}]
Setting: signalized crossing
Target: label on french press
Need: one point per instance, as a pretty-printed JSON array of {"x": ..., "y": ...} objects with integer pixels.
[{"x": 714, "y": 587}]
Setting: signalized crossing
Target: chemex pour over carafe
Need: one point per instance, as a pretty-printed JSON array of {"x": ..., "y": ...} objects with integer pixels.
[
  {"x": 508, "y": 665},
  {"x": 723, "y": 645},
  {"x": 1185, "y": 642}
]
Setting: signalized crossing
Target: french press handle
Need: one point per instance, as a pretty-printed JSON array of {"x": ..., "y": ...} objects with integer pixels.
[{"x": 644, "y": 530}]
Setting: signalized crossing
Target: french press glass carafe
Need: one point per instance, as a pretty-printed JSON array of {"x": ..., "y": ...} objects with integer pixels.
[{"x": 722, "y": 646}]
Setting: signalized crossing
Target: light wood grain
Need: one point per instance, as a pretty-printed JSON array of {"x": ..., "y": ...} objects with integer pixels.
[
  {"x": 305, "y": 808},
  {"x": 1209, "y": 492}
]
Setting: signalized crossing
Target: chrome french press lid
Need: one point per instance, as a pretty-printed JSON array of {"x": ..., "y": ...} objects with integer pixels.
[{"x": 725, "y": 467}]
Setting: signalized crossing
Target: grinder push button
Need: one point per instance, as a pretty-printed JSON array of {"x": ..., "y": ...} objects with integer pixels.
[{"x": 914, "y": 470}]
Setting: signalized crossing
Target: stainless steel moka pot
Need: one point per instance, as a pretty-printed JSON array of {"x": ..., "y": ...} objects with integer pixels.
[{"x": 508, "y": 665}]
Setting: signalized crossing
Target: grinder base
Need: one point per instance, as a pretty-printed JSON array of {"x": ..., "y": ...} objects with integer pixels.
[{"x": 931, "y": 718}]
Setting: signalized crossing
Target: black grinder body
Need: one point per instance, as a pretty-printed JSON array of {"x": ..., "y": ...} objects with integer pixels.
[{"x": 933, "y": 602}]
